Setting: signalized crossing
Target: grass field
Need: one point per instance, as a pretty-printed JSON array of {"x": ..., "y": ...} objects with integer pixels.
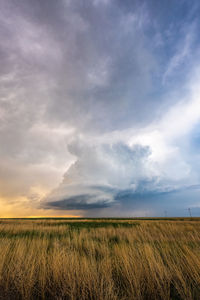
[{"x": 100, "y": 259}]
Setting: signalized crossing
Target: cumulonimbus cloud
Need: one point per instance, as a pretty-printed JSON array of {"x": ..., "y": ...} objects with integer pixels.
[{"x": 107, "y": 71}]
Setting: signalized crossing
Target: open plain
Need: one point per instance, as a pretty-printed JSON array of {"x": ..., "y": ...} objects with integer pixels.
[{"x": 104, "y": 259}]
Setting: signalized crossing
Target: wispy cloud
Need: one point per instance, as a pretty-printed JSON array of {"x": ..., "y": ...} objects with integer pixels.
[{"x": 184, "y": 49}]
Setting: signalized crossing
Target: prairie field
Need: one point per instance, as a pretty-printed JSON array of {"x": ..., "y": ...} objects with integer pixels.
[{"x": 100, "y": 259}]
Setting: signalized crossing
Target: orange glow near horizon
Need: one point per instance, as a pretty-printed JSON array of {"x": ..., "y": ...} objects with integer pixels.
[
  {"x": 20, "y": 208},
  {"x": 38, "y": 217}
]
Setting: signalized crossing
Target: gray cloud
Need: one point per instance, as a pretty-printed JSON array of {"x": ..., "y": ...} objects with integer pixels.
[
  {"x": 79, "y": 202},
  {"x": 59, "y": 76},
  {"x": 88, "y": 71}
]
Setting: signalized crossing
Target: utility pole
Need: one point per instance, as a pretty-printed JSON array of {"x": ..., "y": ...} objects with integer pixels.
[
  {"x": 165, "y": 213},
  {"x": 190, "y": 214}
]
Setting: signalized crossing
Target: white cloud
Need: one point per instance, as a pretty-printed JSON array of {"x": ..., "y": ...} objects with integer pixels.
[
  {"x": 89, "y": 72},
  {"x": 183, "y": 50},
  {"x": 118, "y": 161}
]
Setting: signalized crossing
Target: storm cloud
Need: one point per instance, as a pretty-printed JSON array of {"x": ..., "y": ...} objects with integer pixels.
[{"x": 99, "y": 105}]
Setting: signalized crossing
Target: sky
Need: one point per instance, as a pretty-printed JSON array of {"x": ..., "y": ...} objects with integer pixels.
[{"x": 99, "y": 108}]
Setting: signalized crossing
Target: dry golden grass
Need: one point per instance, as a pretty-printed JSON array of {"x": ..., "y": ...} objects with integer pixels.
[{"x": 99, "y": 259}]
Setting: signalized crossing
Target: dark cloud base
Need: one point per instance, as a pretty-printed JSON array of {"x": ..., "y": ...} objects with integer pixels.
[
  {"x": 127, "y": 203},
  {"x": 79, "y": 202}
]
